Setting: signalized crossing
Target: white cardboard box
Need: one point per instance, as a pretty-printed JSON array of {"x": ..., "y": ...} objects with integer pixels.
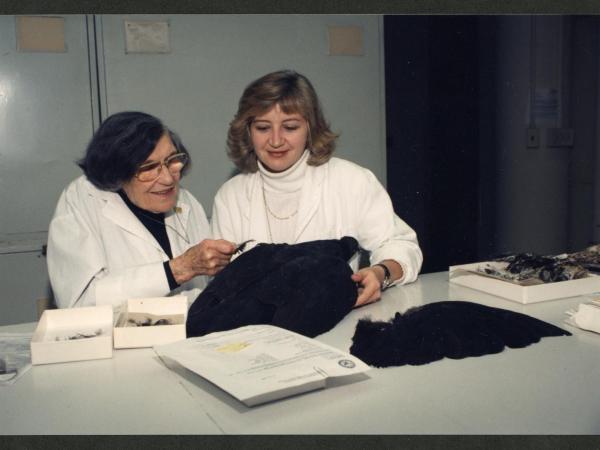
[
  {"x": 463, "y": 275},
  {"x": 74, "y": 334},
  {"x": 127, "y": 336}
]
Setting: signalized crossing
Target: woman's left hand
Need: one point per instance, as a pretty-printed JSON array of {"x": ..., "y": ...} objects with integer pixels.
[{"x": 369, "y": 290}]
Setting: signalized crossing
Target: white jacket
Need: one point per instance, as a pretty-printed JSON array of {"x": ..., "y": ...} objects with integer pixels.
[
  {"x": 100, "y": 253},
  {"x": 337, "y": 199}
]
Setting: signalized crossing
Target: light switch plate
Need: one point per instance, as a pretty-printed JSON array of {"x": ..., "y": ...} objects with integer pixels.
[{"x": 560, "y": 137}]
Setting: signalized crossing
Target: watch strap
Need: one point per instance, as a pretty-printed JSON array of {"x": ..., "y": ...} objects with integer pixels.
[{"x": 387, "y": 277}]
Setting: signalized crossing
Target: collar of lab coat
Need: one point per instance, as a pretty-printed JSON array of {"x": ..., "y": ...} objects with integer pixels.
[
  {"x": 310, "y": 199},
  {"x": 119, "y": 213}
]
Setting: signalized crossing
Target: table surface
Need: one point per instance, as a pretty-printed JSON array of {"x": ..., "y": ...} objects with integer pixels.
[{"x": 547, "y": 388}]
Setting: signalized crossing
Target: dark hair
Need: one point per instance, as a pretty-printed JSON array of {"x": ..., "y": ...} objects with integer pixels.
[
  {"x": 294, "y": 94},
  {"x": 120, "y": 145}
]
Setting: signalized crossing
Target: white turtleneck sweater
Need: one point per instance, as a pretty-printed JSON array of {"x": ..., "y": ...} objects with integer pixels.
[{"x": 281, "y": 192}]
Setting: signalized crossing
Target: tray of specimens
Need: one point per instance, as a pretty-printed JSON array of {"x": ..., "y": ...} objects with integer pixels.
[
  {"x": 74, "y": 334},
  {"x": 145, "y": 322},
  {"x": 531, "y": 278}
]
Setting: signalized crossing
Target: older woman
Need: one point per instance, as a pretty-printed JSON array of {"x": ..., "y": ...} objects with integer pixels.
[
  {"x": 126, "y": 229},
  {"x": 292, "y": 190}
]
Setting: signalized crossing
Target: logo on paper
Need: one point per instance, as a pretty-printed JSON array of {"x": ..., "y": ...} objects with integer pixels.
[{"x": 346, "y": 363}]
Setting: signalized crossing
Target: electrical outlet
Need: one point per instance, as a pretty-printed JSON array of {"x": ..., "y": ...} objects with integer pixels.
[{"x": 533, "y": 137}]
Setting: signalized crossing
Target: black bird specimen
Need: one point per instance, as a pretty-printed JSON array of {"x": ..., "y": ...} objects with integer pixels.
[
  {"x": 305, "y": 288},
  {"x": 446, "y": 329}
]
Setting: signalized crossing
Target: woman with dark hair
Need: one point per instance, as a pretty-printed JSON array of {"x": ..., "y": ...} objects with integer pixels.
[
  {"x": 292, "y": 190},
  {"x": 125, "y": 228}
]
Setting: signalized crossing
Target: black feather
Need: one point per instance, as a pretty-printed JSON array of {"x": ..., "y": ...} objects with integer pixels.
[
  {"x": 446, "y": 329},
  {"x": 306, "y": 288}
]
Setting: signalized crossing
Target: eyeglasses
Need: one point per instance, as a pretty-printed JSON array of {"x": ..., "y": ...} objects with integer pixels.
[{"x": 151, "y": 171}]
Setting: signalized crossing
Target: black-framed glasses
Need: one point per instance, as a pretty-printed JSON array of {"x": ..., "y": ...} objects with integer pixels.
[{"x": 151, "y": 171}]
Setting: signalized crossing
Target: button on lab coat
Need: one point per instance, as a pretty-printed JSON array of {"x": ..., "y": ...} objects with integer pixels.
[{"x": 100, "y": 253}]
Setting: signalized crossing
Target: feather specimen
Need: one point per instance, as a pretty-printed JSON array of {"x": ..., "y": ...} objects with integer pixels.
[
  {"x": 304, "y": 288},
  {"x": 446, "y": 329}
]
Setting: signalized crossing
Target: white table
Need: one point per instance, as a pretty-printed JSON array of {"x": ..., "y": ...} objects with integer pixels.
[{"x": 547, "y": 388}]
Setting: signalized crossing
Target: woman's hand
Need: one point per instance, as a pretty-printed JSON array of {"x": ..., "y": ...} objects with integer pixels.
[
  {"x": 370, "y": 279},
  {"x": 208, "y": 257},
  {"x": 369, "y": 290}
]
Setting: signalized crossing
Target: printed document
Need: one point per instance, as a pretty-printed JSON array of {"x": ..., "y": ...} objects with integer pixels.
[{"x": 261, "y": 363}]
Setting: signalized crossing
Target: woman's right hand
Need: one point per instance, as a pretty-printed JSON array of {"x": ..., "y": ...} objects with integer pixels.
[{"x": 208, "y": 257}]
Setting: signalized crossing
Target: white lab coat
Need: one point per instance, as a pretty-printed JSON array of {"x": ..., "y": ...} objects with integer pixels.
[
  {"x": 337, "y": 199},
  {"x": 100, "y": 253}
]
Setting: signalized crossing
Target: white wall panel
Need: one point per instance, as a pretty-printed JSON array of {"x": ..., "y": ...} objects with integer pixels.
[{"x": 45, "y": 122}]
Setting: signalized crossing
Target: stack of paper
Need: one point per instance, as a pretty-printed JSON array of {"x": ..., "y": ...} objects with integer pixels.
[{"x": 261, "y": 363}]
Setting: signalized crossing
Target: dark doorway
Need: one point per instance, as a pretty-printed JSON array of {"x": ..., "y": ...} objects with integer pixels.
[{"x": 434, "y": 101}]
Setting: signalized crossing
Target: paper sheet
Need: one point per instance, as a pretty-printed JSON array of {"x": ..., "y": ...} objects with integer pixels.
[{"x": 260, "y": 363}]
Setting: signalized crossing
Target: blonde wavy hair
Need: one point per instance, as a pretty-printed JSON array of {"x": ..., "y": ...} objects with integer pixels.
[{"x": 295, "y": 95}]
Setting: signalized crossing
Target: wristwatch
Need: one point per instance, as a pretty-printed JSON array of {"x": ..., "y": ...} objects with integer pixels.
[{"x": 387, "y": 277}]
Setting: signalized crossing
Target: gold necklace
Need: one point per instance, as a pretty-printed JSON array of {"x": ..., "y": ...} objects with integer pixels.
[{"x": 269, "y": 209}]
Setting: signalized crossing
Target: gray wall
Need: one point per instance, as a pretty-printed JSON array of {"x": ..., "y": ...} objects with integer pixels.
[
  {"x": 46, "y": 120},
  {"x": 49, "y": 104},
  {"x": 584, "y": 213},
  {"x": 540, "y": 190},
  {"x": 548, "y": 197}
]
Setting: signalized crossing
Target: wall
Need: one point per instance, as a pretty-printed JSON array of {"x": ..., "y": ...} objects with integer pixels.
[
  {"x": 583, "y": 175},
  {"x": 532, "y": 189},
  {"x": 46, "y": 119},
  {"x": 548, "y": 197},
  {"x": 41, "y": 95}
]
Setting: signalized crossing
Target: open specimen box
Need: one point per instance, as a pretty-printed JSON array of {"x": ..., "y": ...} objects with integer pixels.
[
  {"x": 145, "y": 322},
  {"x": 73, "y": 334},
  {"x": 470, "y": 275}
]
